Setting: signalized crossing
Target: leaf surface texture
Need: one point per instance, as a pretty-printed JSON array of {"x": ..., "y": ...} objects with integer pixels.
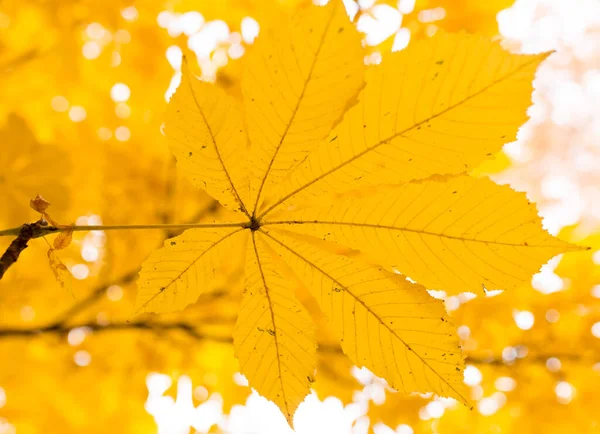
[
  {"x": 458, "y": 234},
  {"x": 440, "y": 106},
  {"x": 391, "y": 326},
  {"x": 175, "y": 275},
  {"x": 297, "y": 83},
  {"x": 274, "y": 336},
  {"x": 206, "y": 134}
]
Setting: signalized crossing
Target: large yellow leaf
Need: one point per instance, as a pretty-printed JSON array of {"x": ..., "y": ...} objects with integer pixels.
[
  {"x": 297, "y": 83},
  {"x": 175, "y": 275},
  {"x": 456, "y": 233},
  {"x": 391, "y": 326},
  {"x": 206, "y": 135},
  {"x": 441, "y": 106},
  {"x": 274, "y": 336}
]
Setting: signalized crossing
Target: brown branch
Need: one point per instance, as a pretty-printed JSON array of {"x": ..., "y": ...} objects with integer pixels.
[
  {"x": 16, "y": 247},
  {"x": 61, "y": 329}
]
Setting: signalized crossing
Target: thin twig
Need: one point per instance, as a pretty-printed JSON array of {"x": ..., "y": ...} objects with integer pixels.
[
  {"x": 42, "y": 231},
  {"x": 125, "y": 279}
]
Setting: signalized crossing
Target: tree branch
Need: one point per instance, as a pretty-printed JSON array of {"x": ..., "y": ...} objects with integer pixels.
[
  {"x": 61, "y": 329},
  {"x": 41, "y": 228},
  {"x": 193, "y": 332},
  {"x": 11, "y": 255}
]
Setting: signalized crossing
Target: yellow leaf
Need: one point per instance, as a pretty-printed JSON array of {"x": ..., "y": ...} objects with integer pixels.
[
  {"x": 391, "y": 326},
  {"x": 175, "y": 275},
  {"x": 298, "y": 81},
  {"x": 472, "y": 16},
  {"x": 274, "y": 336},
  {"x": 206, "y": 135},
  {"x": 457, "y": 233},
  {"x": 441, "y": 106},
  {"x": 61, "y": 273},
  {"x": 28, "y": 167},
  {"x": 63, "y": 239},
  {"x": 429, "y": 113}
]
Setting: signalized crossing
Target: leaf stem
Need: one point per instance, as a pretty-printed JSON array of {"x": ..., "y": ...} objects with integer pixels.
[{"x": 42, "y": 231}]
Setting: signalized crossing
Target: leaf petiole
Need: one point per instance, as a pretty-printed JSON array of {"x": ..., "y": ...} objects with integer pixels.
[{"x": 41, "y": 231}]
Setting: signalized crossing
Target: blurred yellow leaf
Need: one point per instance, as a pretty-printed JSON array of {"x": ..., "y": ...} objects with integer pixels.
[
  {"x": 28, "y": 168},
  {"x": 63, "y": 239},
  {"x": 469, "y": 15},
  {"x": 61, "y": 272}
]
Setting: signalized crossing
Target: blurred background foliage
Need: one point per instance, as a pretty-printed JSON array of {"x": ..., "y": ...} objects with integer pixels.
[{"x": 83, "y": 90}]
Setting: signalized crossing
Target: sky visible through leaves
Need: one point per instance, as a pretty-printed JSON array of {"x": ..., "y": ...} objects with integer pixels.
[{"x": 311, "y": 216}]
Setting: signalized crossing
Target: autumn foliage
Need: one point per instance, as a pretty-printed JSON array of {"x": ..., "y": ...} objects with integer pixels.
[{"x": 287, "y": 220}]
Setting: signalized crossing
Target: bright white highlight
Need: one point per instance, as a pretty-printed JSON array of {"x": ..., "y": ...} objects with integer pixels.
[
  {"x": 472, "y": 376},
  {"x": 524, "y": 319},
  {"x": 120, "y": 92}
]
